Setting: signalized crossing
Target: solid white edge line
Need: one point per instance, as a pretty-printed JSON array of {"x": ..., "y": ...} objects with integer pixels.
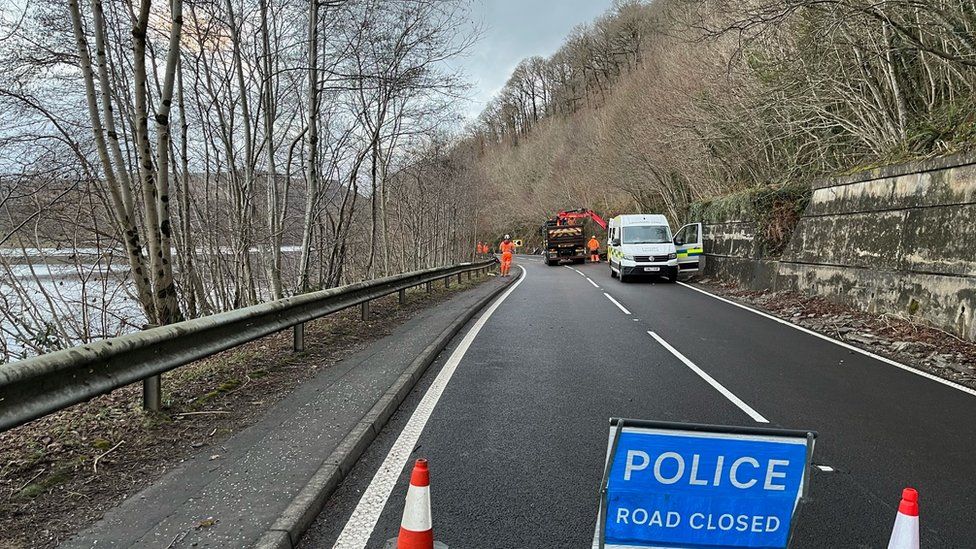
[
  {"x": 848, "y": 346},
  {"x": 756, "y": 416},
  {"x": 358, "y": 529},
  {"x": 590, "y": 280},
  {"x": 617, "y": 303}
]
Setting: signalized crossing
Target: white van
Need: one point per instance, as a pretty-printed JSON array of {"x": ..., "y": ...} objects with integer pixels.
[{"x": 642, "y": 244}]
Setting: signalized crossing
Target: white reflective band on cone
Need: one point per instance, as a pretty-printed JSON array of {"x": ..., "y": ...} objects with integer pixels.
[
  {"x": 905, "y": 534},
  {"x": 416, "y": 512}
]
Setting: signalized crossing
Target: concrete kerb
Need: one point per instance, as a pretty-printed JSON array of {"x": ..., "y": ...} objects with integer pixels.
[{"x": 288, "y": 529}]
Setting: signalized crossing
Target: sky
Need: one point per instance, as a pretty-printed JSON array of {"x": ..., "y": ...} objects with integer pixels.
[{"x": 513, "y": 30}]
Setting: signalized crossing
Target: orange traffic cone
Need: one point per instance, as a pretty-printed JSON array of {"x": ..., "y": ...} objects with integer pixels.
[
  {"x": 416, "y": 527},
  {"x": 905, "y": 534}
]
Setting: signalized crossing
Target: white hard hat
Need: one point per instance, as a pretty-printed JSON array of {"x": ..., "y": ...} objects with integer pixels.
[{"x": 507, "y": 237}]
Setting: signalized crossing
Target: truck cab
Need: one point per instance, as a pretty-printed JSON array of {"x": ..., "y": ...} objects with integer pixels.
[{"x": 641, "y": 245}]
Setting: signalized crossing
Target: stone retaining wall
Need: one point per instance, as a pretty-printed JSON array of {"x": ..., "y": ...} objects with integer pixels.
[{"x": 899, "y": 239}]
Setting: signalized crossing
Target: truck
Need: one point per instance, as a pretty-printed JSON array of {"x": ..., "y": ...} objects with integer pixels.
[
  {"x": 563, "y": 238},
  {"x": 563, "y": 242}
]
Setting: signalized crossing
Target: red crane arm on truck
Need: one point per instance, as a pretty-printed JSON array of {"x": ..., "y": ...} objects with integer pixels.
[{"x": 582, "y": 213}]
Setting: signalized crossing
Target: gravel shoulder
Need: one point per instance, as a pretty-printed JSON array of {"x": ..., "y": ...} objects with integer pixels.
[
  {"x": 61, "y": 473},
  {"x": 897, "y": 337}
]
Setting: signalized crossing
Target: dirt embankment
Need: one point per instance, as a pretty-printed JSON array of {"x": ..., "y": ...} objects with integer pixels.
[{"x": 60, "y": 473}]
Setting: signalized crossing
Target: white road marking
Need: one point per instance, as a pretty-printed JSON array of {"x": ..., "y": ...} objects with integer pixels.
[
  {"x": 590, "y": 280},
  {"x": 825, "y": 468},
  {"x": 756, "y": 416},
  {"x": 636, "y": 320},
  {"x": 848, "y": 346},
  {"x": 360, "y": 526},
  {"x": 617, "y": 303}
]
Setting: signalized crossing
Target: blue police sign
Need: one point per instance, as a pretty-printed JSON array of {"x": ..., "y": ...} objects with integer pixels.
[{"x": 700, "y": 486}]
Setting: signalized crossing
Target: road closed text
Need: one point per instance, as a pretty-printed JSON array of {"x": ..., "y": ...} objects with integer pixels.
[{"x": 726, "y": 522}]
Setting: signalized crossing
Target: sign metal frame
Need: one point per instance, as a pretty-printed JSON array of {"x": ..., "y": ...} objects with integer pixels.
[{"x": 618, "y": 424}]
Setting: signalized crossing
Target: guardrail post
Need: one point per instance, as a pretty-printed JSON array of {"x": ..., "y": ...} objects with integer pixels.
[
  {"x": 447, "y": 282},
  {"x": 365, "y": 310},
  {"x": 152, "y": 393},
  {"x": 469, "y": 276},
  {"x": 430, "y": 287},
  {"x": 298, "y": 345},
  {"x": 402, "y": 296}
]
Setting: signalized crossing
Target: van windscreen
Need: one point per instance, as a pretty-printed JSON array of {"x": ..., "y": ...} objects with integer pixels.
[{"x": 646, "y": 234}]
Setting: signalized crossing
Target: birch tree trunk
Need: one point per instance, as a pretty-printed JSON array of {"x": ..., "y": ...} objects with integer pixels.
[
  {"x": 165, "y": 287},
  {"x": 274, "y": 199},
  {"x": 311, "y": 168},
  {"x": 118, "y": 189},
  {"x": 247, "y": 198}
]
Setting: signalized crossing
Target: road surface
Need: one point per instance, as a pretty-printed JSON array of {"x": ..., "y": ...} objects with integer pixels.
[{"x": 516, "y": 428}]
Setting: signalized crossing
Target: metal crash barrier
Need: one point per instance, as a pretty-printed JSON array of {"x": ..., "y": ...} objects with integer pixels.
[{"x": 38, "y": 386}]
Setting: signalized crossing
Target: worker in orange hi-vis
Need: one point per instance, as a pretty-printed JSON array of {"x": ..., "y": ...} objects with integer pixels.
[
  {"x": 594, "y": 246},
  {"x": 479, "y": 249},
  {"x": 507, "y": 248}
]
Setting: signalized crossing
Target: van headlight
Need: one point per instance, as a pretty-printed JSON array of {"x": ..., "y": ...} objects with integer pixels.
[
  {"x": 672, "y": 256},
  {"x": 628, "y": 257}
]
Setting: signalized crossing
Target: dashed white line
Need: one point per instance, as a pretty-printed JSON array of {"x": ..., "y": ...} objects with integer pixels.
[
  {"x": 575, "y": 270},
  {"x": 856, "y": 349},
  {"x": 360, "y": 526},
  {"x": 825, "y": 468},
  {"x": 590, "y": 280},
  {"x": 617, "y": 303},
  {"x": 756, "y": 416}
]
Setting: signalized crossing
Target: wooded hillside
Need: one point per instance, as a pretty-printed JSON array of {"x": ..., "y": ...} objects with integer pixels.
[{"x": 659, "y": 104}]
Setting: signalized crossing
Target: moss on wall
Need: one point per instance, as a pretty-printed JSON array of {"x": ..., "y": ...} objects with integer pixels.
[{"x": 775, "y": 210}]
